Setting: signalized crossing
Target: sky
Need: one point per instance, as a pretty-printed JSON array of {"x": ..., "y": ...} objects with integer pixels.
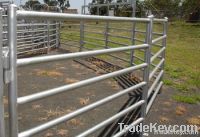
[{"x": 74, "y": 3}]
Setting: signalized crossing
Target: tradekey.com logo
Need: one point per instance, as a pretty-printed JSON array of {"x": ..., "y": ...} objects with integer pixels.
[{"x": 161, "y": 129}]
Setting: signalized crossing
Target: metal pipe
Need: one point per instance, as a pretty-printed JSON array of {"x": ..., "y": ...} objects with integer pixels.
[
  {"x": 158, "y": 39},
  {"x": 93, "y": 32},
  {"x": 28, "y": 61},
  {"x": 156, "y": 68},
  {"x": 63, "y": 16},
  {"x": 12, "y": 86},
  {"x": 95, "y": 38},
  {"x": 120, "y": 29},
  {"x": 94, "y": 44},
  {"x": 147, "y": 69},
  {"x": 2, "y": 122},
  {"x": 111, "y": 119},
  {"x": 160, "y": 20},
  {"x": 126, "y": 129},
  {"x": 118, "y": 43},
  {"x": 31, "y": 50},
  {"x": 65, "y": 88},
  {"x": 164, "y": 44},
  {"x": 155, "y": 83},
  {"x": 87, "y": 108},
  {"x": 117, "y": 36},
  {"x": 106, "y": 34},
  {"x": 133, "y": 37},
  {"x": 95, "y": 26},
  {"x": 153, "y": 97},
  {"x": 139, "y": 40},
  {"x": 157, "y": 54}
]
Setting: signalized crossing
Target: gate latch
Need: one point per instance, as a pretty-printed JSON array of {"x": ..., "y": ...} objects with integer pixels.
[{"x": 6, "y": 65}]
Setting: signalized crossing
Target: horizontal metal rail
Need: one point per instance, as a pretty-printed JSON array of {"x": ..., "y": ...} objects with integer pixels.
[
  {"x": 28, "y": 61},
  {"x": 158, "y": 54},
  {"x": 117, "y": 36},
  {"x": 154, "y": 96},
  {"x": 126, "y": 129},
  {"x": 113, "y": 28},
  {"x": 64, "y": 16},
  {"x": 32, "y": 50},
  {"x": 158, "y": 39},
  {"x": 118, "y": 43},
  {"x": 111, "y": 119},
  {"x": 94, "y": 44},
  {"x": 155, "y": 83},
  {"x": 61, "y": 89},
  {"x": 156, "y": 69},
  {"x": 94, "y": 32},
  {"x": 71, "y": 115},
  {"x": 87, "y": 37}
]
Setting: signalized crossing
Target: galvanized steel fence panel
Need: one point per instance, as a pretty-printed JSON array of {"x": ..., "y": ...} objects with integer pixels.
[{"x": 152, "y": 72}]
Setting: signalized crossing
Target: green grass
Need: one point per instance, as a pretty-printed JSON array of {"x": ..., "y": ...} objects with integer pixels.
[
  {"x": 182, "y": 57},
  {"x": 191, "y": 99},
  {"x": 182, "y": 67}
]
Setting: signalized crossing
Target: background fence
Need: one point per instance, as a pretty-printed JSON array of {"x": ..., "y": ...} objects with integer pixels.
[{"x": 33, "y": 37}]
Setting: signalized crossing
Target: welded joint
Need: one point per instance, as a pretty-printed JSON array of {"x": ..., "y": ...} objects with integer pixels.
[{"x": 6, "y": 65}]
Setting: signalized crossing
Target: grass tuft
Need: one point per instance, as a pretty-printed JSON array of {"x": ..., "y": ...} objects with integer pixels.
[{"x": 191, "y": 99}]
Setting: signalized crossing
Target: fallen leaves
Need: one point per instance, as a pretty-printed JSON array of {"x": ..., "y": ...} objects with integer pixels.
[
  {"x": 70, "y": 80},
  {"x": 194, "y": 121},
  {"x": 49, "y": 73},
  {"x": 62, "y": 132},
  {"x": 180, "y": 110},
  {"x": 84, "y": 101},
  {"x": 164, "y": 119}
]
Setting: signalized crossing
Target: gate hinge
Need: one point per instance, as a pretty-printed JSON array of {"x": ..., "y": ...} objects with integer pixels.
[{"x": 6, "y": 65}]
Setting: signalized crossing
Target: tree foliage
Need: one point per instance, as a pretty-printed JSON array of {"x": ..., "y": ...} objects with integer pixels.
[
  {"x": 31, "y": 4},
  {"x": 190, "y": 6},
  {"x": 166, "y": 7},
  {"x": 61, "y": 3},
  {"x": 102, "y": 10}
]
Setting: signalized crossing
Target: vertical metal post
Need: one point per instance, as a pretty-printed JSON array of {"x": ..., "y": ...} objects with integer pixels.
[
  {"x": 33, "y": 33},
  {"x": 98, "y": 12},
  {"x": 12, "y": 86},
  {"x": 82, "y": 12},
  {"x": 2, "y": 122},
  {"x": 164, "y": 43},
  {"x": 48, "y": 38},
  {"x": 106, "y": 34},
  {"x": 147, "y": 69},
  {"x": 58, "y": 34},
  {"x": 81, "y": 35},
  {"x": 84, "y": 7},
  {"x": 108, "y": 10},
  {"x": 133, "y": 43},
  {"x": 133, "y": 4}
]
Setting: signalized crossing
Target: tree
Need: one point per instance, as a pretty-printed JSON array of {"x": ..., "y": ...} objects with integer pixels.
[
  {"x": 125, "y": 10},
  {"x": 189, "y": 6},
  {"x": 102, "y": 10},
  {"x": 168, "y": 8},
  {"x": 61, "y": 3},
  {"x": 31, "y": 4}
]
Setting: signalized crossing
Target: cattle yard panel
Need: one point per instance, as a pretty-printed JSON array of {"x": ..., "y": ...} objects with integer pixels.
[{"x": 150, "y": 64}]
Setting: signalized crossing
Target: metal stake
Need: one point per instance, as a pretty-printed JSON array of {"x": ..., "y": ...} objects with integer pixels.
[
  {"x": 12, "y": 86},
  {"x": 2, "y": 122}
]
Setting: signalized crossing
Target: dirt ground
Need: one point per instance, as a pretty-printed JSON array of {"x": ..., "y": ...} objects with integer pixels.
[
  {"x": 166, "y": 111},
  {"x": 40, "y": 77}
]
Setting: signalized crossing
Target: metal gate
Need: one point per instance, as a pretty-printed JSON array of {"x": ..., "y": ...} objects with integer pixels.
[{"x": 151, "y": 82}]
